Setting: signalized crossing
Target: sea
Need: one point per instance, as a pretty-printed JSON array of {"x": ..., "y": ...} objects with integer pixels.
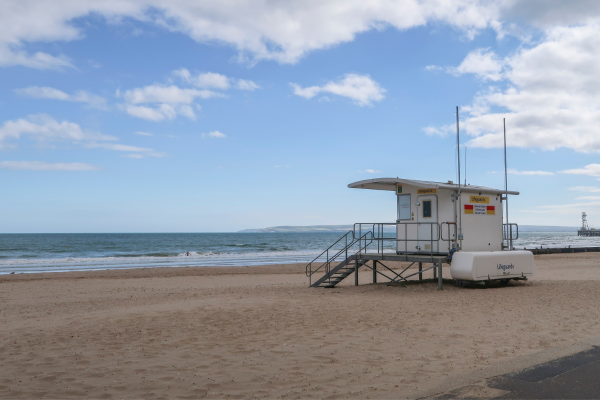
[{"x": 28, "y": 253}]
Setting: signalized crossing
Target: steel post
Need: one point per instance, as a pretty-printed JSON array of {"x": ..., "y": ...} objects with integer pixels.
[
  {"x": 440, "y": 275},
  {"x": 374, "y": 271},
  {"x": 420, "y": 271},
  {"x": 356, "y": 272},
  {"x": 434, "y": 272}
]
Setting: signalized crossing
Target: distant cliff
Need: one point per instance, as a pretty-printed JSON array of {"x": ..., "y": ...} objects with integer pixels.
[
  {"x": 314, "y": 228},
  {"x": 345, "y": 228}
]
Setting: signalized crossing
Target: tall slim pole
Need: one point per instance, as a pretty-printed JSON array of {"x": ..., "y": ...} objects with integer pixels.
[
  {"x": 506, "y": 187},
  {"x": 459, "y": 195},
  {"x": 465, "y": 165},
  {"x": 458, "y": 147}
]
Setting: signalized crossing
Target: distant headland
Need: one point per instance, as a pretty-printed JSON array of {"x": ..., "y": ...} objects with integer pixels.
[{"x": 345, "y": 228}]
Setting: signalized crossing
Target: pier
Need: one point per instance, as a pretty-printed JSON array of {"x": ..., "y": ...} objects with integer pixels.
[
  {"x": 585, "y": 230},
  {"x": 588, "y": 232}
]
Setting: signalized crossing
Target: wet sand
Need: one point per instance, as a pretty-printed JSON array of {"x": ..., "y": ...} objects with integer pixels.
[{"x": 246, "y": 332}]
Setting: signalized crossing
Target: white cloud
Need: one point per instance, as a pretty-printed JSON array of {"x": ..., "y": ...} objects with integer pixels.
[
  {"x": 46, "y": 166},
  {"x": 214, "y": 134},
  {"x": 163, "y": 111},
  {"x": 283, "y": 31},
  {"x": 549, "y": 95},
  {"x": 80, "y": 96},
  {"x": 442, "y": 131},
  {"x": 590, "y": 189},
  {"x": 244, "y": 84},
  {"x": 481, "y": 62},
  {"x": 166, "y": 94},
  {"x": 590, "y": 170},
  {"x": 588, "y": 198},
  {"x": 164, "y": 102},
  {"x": 42, "y": 127},
  {"x": 433, "y": 68},
  {"x": 564, "y": 209},
  {"x": 45, "y": 129},
  {"x": 538, "y": 173},
  {"x": 260, "y": 30},
  {"x": 11, "y": 56},
  {"x": 214, "y": 80},
  {"x": 143, "y": 133},
  {"x": 372, "y": 171},
  {"x": 360, "y": 88},
  {"x": 205, "y": 80},
  {"x": 118, "y": 147}
]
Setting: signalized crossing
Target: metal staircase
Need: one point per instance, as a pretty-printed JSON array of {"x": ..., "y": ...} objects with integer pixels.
[{"x": 348, "y": 248}]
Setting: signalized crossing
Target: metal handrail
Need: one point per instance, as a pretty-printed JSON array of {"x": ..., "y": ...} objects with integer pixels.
[
  {"x": 507, "y": 234},
  {"x": 506, "y": 230},
  {"x": 327, "y": 263},
  {"x": 379, "y": 228},
  {"x": 326, "y": 251},
  {"x": 450, "y": 239}
]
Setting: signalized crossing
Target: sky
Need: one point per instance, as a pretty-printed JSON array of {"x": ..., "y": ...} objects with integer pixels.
[{"x": 203, "y": 116}]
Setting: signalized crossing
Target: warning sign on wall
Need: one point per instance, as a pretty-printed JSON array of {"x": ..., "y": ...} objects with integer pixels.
[{"x": 480, "y": 209}]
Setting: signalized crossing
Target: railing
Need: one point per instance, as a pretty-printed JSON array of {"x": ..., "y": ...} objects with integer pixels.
[
  {"x": 450, "y": 239},
  {"x": 376, "y": 232},
  {"x": 349, "y": 240},
  {"x": 379, "y": 235},
  {"x": 507, "y": 234}
]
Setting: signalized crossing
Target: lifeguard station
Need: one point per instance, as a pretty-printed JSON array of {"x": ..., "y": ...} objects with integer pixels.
[{"x": 435, "y": 223}]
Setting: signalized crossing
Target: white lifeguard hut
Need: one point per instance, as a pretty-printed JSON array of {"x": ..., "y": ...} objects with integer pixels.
[{"x": 435, "y": 223}]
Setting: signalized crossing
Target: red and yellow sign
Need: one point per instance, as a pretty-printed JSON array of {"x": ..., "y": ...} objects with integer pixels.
[
  {"x": 480, "y": 209},
  {"x": 426, "y": 191}
]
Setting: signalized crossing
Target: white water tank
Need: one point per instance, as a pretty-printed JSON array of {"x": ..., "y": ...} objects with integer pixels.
[{"x": 485, "y": 265}]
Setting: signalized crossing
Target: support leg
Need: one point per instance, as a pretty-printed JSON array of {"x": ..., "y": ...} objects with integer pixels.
[
  {"x": 356, "y": 272},
  {"x": 420, "y": 269},
  {"x": 434, "y": 272},
  {"x": 440, "y": 275},
  {"x": 374, "y": 271}
]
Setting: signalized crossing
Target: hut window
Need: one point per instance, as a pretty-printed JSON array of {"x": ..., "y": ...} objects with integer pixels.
[{"x": 427, "y": 209}]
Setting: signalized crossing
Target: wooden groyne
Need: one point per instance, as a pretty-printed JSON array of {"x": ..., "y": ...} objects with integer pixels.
[{"x": 559, "y": 250}]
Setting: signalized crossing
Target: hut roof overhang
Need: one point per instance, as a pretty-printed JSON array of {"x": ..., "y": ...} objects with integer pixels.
[{"x": 392, "y": 183}]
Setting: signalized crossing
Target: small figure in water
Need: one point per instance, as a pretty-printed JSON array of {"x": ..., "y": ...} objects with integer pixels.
[{"x": 188, "y": 253}]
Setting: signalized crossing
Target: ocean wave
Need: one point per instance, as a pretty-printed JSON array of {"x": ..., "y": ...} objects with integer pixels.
[{"x": 145, "y": 261}]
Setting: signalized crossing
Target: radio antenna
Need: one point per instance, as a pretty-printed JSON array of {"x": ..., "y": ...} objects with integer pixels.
[
  {"x": 458, "y": 148},
  {"x": 465, "y": 165},
  {"x": 460, "y": 211},
  {"x": 506, "y": 188}
]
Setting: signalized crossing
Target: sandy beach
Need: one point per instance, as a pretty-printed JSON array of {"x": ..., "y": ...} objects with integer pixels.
[{"x": 260, "y": 332}]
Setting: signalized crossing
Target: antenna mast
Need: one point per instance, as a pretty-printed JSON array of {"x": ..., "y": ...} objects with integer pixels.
[
  {"x": 459, "y": 196},
  {"x": 465, "y": 165},
  {"x": 506, "y": 188},
  {"x": 458, "y": 148}
]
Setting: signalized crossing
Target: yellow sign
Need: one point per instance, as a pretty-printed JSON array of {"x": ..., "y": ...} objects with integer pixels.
[
  {"x": 480, "y": 199},
  {"x": 426, "y": 191}
]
